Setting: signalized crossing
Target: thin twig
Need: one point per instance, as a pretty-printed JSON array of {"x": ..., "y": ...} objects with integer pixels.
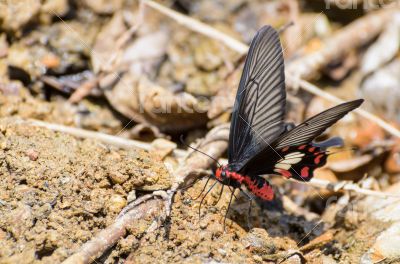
[
  {"x": 200, "y": 27},
  {"x": 378, "y": 17},
  {"x": 115, "y": 141},
  {"x": 350, "y": 37},
  {"x": 348, "y": 186},
  {"x": 291, "y": 80},
  {"x": 214, "y": 144},
  {"x": 83, "y": 90}
]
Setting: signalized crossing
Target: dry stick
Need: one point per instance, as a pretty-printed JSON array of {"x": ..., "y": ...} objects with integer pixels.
[
  {"x": 83, "y": 90},
  {"x": 105, "y": 138},
  {"x": 356, "y": 34},
  {"x": 214, "y": 144},
  {"x": 109, "y": 236},
  {"x": 200, "y": 27},
  {"x": 349, "y": 186},
  {"x": 352, "y": 36},
  {"x": 317, "y": 91}
]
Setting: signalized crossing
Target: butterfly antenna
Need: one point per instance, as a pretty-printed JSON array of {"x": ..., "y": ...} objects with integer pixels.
[
  {"x": 195, "y": 149},
  {"x": 190, "y": 185},
  {"x": 202, "y": 199},
  {"x": 229, "y": 205}
]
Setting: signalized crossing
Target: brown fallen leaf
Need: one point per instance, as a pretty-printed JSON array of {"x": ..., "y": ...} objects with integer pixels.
[
  {"x": 392, "y": 163},
  {"x": 145, "y": 102}
]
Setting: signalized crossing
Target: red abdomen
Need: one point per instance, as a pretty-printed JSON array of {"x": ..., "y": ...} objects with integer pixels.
[{"x": 256, "y": 184}]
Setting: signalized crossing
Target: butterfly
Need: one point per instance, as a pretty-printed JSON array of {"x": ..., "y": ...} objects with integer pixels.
[{"x": 261, "y": 143}]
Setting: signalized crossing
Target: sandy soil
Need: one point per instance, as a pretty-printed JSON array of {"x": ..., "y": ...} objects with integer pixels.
[{"x": 56, "y": 191}]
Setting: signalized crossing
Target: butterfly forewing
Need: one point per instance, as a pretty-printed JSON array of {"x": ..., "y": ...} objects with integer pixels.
[
  {"x": 257, "y": 117},
  {"x": 314, "y": 126}
]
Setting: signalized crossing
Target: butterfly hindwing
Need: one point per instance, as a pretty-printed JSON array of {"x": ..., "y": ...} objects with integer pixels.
[{"x": 299, "y": 162}]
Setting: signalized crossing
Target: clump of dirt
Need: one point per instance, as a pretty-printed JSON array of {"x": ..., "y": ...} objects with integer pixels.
[
  {"x": 85, "y": 115},
  {"x": 56, "y": 192}
]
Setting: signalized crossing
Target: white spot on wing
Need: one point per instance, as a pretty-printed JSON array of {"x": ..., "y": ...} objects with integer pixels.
[
  {"x": 283, "y": 166},
  {"x": 294, "y": 154},
  {"x": 292, "y": 160}
]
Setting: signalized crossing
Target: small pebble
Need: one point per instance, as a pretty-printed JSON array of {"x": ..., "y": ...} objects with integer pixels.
[
  {"x": 257, "y": 258},
  {"x": 222, "y": 252},
  {"x": 131, "y": 196},
  {"x": 295, "y": 259},
  {"x": 32, "y": 154},
  {"x": 203, "y": 225},
  {"x": 117, "y": 177},
  {"x": 116, "y": 203}
]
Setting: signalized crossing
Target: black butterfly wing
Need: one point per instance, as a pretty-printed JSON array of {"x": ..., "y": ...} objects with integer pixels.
[
  {"x": 259, "y": 110},
  {"x": 314, "y": 126},
  {"x": 298, "y": 140}
]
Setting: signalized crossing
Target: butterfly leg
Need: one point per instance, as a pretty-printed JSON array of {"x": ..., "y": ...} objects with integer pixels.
[
  {"x": 232, "y": 193},
  {"x": 250, "y": 199},
  {"x": 220, "y": 194},
  {"x": 202, "y": 199},
  {"x": 229, "y": 205}
]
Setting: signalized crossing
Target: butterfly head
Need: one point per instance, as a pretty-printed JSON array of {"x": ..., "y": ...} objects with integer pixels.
[
  {"x": 221, "y": 174},
  {"x": 227, "y": 177}
]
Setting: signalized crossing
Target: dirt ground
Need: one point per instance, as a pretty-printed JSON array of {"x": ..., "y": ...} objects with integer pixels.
[{"x": 58, "y": 191}]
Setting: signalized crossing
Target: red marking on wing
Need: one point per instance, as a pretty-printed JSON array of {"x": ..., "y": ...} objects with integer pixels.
[
  {"x": 305, "y": 172},
  {"x": 285, "y": 149},
  {"x": 284, "y": 173},
  {"x": 317, "y": 159}
]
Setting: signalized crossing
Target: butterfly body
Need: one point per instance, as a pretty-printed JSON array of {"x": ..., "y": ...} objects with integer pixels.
[{"x": 257, "y": 185}]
